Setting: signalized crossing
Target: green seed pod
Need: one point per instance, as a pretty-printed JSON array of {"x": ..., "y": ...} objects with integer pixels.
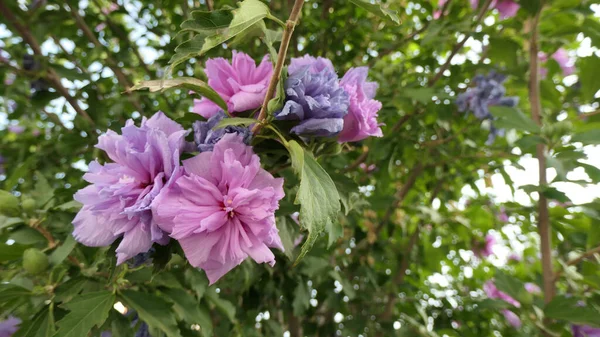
[
  {"x": 29, "y": 205},
  {"x": 35, "y": 261},
  {"x": 9, "y": 204}
]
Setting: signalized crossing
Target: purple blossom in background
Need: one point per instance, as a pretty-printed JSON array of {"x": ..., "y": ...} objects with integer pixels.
[
  {"x": 205, "y": 136},
  {"x": 512, "y": 318},
  {"x": 36, "y": 132},
  {"x": 506, "y": 8},
  {"x": 222, "y": 209},
  {"x": 488, "y": 91},
  {"x": 585, "y": 331},
  {"x": 9, "y": 326},
  {"x": 492, "y": 292},
  {"x": 16, "y": 129},
  {"x": 514, "y": 257},
  {"x": 561, "y": 56},
  {"x": 314, "y": 98},
  {"x": 488, "y": 248},
  {"x": 118, "y": 201},
  {"x": 502, "y": 216},
  {"x": 241, "y": 84},
  {"x": 533, "y": 288},
  {"x": 2, "y": 161},
  {"x": 361, "y": 120},
  {"x": 111, "y": 8},
  {"x": 438, "y": 13}
]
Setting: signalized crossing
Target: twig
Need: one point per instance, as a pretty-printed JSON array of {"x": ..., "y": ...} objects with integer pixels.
[
  {"x": 543, "y": 215},
  {"x": 584, "y": 116},
  {"x": 459, "y": 45},
  {"x": 285, "y": 42},
  {"x": 209, "y": 5},
  {"x": 363, "y": 156},
  {"x": 51, "y": 76},
  {"x": 415, "y": 172},
  {"x": 577, "y": 260}
]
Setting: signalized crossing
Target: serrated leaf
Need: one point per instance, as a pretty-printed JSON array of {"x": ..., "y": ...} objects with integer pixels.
[
  {"x": 571, "y": 310},
  {"x": 378, "y": 10},
  {"x": 208, "y": 22},
  {"x": 235, "y": 121},
  {"x": 513, "y": 118},
  {"x": 288, "y": 235},
  {"x": 249, "y": 13},
  {"x": 317, "y": 195},
  {"x": 592, "y": 171},
  {"x": 72, "y": 205},
  {"x": 590, "y": 137},
  {"x": 301, "y": 299},
  {"x": 224, "y": 306},
  {"x": 86, "y": 311},
  {"x": 153, "y": 310},
  {"x": 189, "y": 309},
  {"x": 197, "y": 281},
  {"x": 190, "y": 83},
  {"x": 41, "y": 325}
]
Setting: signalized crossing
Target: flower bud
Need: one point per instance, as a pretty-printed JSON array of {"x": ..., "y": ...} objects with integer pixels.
[
  {"x": 9, "y": 204},
  {"x": 28, "y": 205},
  {"x": 34, "y": 261}
]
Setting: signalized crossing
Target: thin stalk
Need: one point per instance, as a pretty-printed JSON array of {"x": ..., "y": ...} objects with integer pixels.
[{"x": 283, "y": 48}]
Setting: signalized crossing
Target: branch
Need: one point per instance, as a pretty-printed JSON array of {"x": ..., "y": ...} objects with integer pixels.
[
  {"x": 401, "y": 194},
  {"x": 285, "y": 42},
  {"x": 363, "y": 156},
  {"x": 459, "y": 45},
  {"x": 51, "y": 76},
  {"x": 536, "y": 113},
  {"x": 580, "y": 258}
]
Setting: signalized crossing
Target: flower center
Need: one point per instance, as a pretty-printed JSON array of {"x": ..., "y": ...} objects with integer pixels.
[{"x": 228, "y": 207}]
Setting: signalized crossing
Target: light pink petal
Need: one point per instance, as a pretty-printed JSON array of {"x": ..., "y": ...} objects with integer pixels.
[
  {"x": 92, "y": 230},
  {"x": 243, "y": 101},
  {"x": 199, "y": 165},
  {"x": 138, "y": 240},
  {"x": 198, "y": 247},
  {"x": 507, "y": 8},
  {"x": 205, "y": 108}
]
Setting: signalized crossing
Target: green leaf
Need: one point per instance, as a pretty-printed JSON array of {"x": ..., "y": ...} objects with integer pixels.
[
  {"x": 197, "y": 281},
  {"x": 43, "y": 192},
  {"x": 570, "y": 310},
  {"x": 317, "y": 195},
  {"x": 249, "y": 13},
  {"x": 67, "y": 290},
  {"x": 592, "y": 171},
  {"x": 288, "y": 234},
  {"x": 188, "y": 308},
  {"x": 41, "y": 325},
  {"x": 10, "y": 292},
  {"x": 11, "y": 252},
  {"x": 61, "y": 253},
  {"x": 86, "y": 311},
  {"x": 190, "y": 83},
  {"x": 553, "y": 193},
  {"x": 513, "y": 118},
  {"x": 590, "y": 81},
  {"x": 208, "y": 22},
  {"x": 224, "y": 306},
  {"x": 509, "y": 284},
  {"x": 590, "y": 137},
  {"x": 70, "y": 206},
  {"x": 378, "y": 10},
  {"x": 153, "y": 310},
  {"x": 235, "y": 121},
  {"x": 301, "y": 299}
]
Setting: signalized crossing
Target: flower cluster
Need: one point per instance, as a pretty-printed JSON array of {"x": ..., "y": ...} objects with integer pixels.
[
  {"x": 488, "y": 91},
  {"x": 494, "y": 293},
  {"x": 323, "y": 105},
  {"x": 219, "y": 205}
]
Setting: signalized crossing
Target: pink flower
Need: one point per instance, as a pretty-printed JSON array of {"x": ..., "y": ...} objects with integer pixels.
[
  {"x": 241, "y": 84},
  {"x": 9, "y": 326},
  {"x": 361, "y": 120},
  {"x": 492, "y": 292},
  {"x": 506, "y": 8},
  {"x": 111, "y": 8},
  {"x": 222, "y": 209},
  {"x": 16, "y": 129},
  {"x": 512, "y": 318},
  {"x": 562, "y": 58},
  {"x": 100, "y": 27},
  {"x": 502, "y": 216},
  {"x": 438, "y": 13},
  {"x": 488, "y": 249},
  {"x": 533, "y": 288}
]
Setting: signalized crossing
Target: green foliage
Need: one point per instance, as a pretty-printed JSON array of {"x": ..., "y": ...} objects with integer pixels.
[
  {"x": 85, "y": 312},
  {"x": 153, "y": 310}
]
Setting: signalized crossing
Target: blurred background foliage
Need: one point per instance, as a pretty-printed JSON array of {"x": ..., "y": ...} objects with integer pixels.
[{"x": 420, "y": 200}]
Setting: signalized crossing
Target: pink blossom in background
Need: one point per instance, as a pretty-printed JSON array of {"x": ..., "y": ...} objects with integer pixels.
[
  {"x": 561, "y": 56},
  {"x": 100, "y": 27},
  {"x": 16, "y": 129},
  {"x": 241, "y": 84},
  {"x": 361, "y": 120},
  {"x": 222, "y": 210},
  {"x": 514, "y": 257},
  {"x": 36, "y": 132},
  {"x": 9, "y": 326},
  {"x": 506, "y": 8},
  {"x": 488, "y": 248},
  {"x": 111, "y": 8},
  {"x": 502, "y": 216},
  {"x": 492, "y": 292},
  {"x": 533, "y": 288},
  {"x": 438, "y": 13},
  {"x": 366, "y": 168},
  {"x": 120, "y": 195},
  {"x": 512, "y": 318},
  {"x": 585, "y": 331}
]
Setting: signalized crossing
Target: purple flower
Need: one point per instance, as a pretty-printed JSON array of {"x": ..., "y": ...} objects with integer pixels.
[
  {"x": 16, "y": 129},
  {"x": 438, "y": 13},
  {"x": 492, "y": 292},
  {"x": 512, "y": 318},
  {"x": 506, "y": 8},
  {"x": 205, "y": 136},
  {"x": 585, "y": 331},
  {"x": 9, "y": 326},
  {"x": 361, "y": 120},
  {"x": 222, "y": 209},
  {"x": 314, "y": 98},
  {"x": 561, "y": 56},
  {"x": 119, "y": 199},
  {"x": 488, "y": 248},
  {"x": 241, "y": 84},
  {"x": 514, "y": 257},
  {"x": 488, "y": 91},
  {"x": 533, "y": 288},
  {"x": 111, "y": 8}
]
